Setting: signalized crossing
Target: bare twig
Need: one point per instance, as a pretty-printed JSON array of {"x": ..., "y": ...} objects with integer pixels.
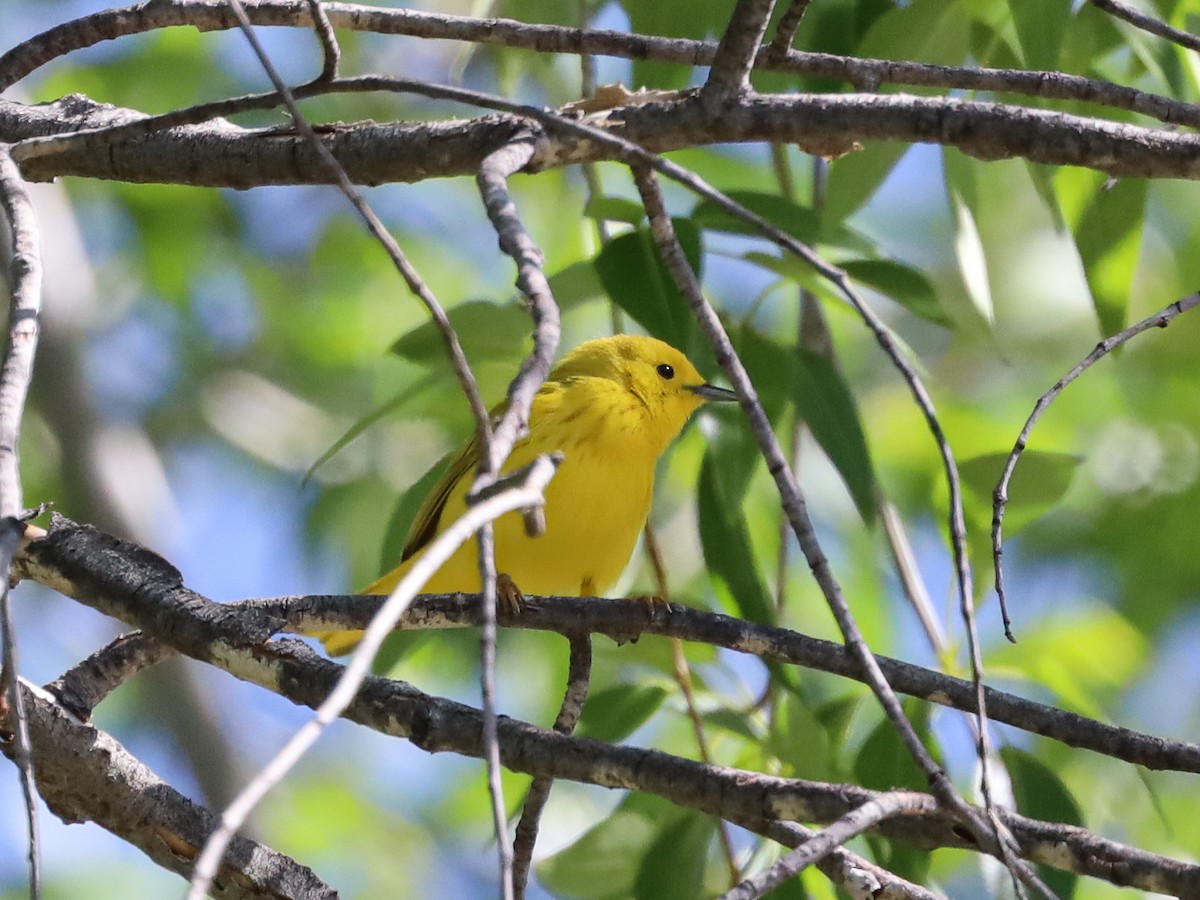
[
  {"x": 525, "y": 491},
  {"x": 16, "y": 371},
  {"x": 331, "y": 53},
  {"x": 729, "y": 77},
  {"x": 1160, "y": 319},
  {"x": 854, "y": 823},
  {"x": 80, "y": 689},
  {"x": 785, "y": 31},
  {"x": 579, "y": 671},
  {"x": 492, "y": 180},
  {"x": 1139, "y": 19}
]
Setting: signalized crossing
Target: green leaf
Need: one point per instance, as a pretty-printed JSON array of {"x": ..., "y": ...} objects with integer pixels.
[
  {"x": 801, "y": 222},
  {"x": 635, "y": 278},
  {"x": 1040, "y": 28},
  {"x": 725, "y": 540},
  {"x": 907, "y": 286},
  {"x": 855, "y": 177},
  {"x": 801, "y": 742},
  {"x": 1038, "y": 483},
  {"x": 646, "y": 848},
  {"x": 884, "y": 762},
  {"x": 485, "y": 330},
  {"x": 615, "y": 713},
  {"x": 823, "y": 399},
  {"x": 615, "y": 209},
  {"x": 1106, "y": 219},
  {"x": 673, "y": 867},
  {"x": 576, "y": 284},
  {"x": 1041, "y": 794},
  {"x": 603, "y": 864}
]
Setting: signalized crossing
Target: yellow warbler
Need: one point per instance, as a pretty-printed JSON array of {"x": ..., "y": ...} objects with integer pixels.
[{"x": 611, "y": 406}]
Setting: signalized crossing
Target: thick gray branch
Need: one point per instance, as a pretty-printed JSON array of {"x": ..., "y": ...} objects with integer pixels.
[
  {"x": 223, "y": 155},
  {"x": 85, "y": 775}
]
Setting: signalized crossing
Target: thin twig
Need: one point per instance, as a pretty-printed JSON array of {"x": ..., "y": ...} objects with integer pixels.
[
  {"x": 785, "y": 31},
  {"x": 729, "y": 75},
  {"x": 81, "y": 688},
  {"x": 579, "y": 671},
  {"x": 854, "y": 823},
  {"x": 331, "y": 53},
  {"x": 16, "y": 372},
  {"x": 1160, "y": 319},
  {"x": 1139, "y": 19},
  {"x": 525, "y": 491}
]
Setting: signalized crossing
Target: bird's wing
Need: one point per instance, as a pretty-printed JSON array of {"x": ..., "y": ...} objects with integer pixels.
[{"x": 425, "y": 526}]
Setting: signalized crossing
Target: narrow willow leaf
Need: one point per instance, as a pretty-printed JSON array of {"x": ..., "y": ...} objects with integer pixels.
[
  {"x": 1106, "y": 219},
  {"x": 823, "y": 399},
  {"x": 725, "y": 540},
  {"x": 486, "y": 331}
]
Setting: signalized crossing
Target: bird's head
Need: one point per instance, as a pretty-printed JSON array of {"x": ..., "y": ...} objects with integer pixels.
[{"x": 658, "y": 375}]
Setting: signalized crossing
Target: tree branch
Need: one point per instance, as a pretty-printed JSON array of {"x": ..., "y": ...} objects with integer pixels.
[{"x": 85, "y": 775}]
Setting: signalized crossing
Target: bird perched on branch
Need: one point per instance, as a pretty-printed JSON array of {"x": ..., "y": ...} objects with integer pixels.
[{"x": 612, "y": 406}]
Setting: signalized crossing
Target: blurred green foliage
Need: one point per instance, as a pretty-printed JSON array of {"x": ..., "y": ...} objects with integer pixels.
[{"x": 268, "y": 325}]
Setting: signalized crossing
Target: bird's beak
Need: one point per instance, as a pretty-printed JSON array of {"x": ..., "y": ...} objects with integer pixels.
[{"x": 712, "y": 392}]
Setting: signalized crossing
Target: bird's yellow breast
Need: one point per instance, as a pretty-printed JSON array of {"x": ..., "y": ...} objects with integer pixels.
[{"x": 596, "y": 505}]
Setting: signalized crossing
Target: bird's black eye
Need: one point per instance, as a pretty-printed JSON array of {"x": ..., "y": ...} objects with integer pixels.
[{"x": 665, "y": 371}]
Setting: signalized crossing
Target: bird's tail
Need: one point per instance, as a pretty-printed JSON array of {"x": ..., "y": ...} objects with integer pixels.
[{"x": 339, "y": 643}]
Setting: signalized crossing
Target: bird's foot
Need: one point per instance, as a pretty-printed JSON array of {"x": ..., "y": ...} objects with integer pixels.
[{"x": 509, "y": 599}]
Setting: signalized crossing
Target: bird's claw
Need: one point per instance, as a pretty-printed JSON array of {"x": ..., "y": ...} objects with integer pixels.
[{"x": 509, "y": 599}]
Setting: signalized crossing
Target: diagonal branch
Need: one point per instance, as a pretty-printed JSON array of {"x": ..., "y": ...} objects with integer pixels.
[
  {"x": 729, "y": 76},
  {"x": 1139, "y": 19},
  {"x": 854, "y": 823},
  {"x": 985, "y": 828}
]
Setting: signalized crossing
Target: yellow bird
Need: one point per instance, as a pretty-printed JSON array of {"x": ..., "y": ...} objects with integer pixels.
[{"x": 612, "y": 406}]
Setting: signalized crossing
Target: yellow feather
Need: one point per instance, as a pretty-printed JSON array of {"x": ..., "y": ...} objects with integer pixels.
[{"x": 612, "y": 406}]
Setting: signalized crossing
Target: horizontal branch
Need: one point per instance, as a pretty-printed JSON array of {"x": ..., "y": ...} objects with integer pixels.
[
  {"x": 85, "y": 775},
  {"x": 138, "y": 587},
  {"x": 618, "y": 620},
  {"x": 219, "y": 154},
  {"x": 865, "y": 74}
]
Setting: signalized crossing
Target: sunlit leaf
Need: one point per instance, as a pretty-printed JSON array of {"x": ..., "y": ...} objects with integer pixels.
[{"x": 1106, "y": 219}]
